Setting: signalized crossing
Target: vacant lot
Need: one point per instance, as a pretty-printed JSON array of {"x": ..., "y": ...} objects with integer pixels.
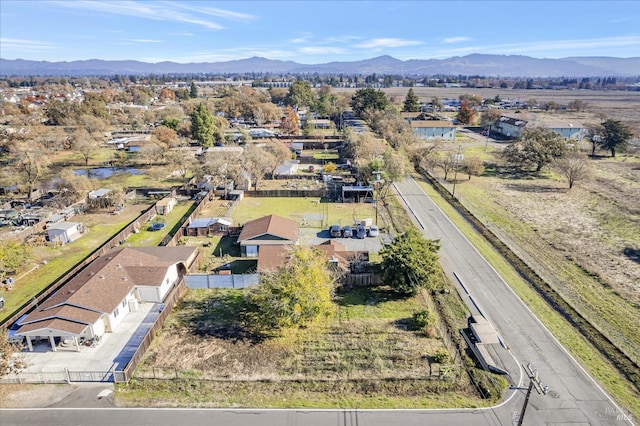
[{"x": 366, "y": 356}]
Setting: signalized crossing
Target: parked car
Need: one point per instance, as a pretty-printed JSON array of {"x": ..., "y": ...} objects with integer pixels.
[
  {"x": 312, "y": 169},
  {"x": 373, "y": 231},
  {"x": 347, "y": 232},
  {"x": 334, "y": 231},
  {"x": 361, "y": 232}
]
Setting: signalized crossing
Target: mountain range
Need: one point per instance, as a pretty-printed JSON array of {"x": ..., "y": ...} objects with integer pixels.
[{"x": 474, "y": 64}]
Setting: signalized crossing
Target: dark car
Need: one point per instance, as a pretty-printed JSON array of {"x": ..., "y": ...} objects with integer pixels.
[
  {"x": 361, "y": 232},
  {"x": 334, "y": 231},
  {"x": 347, "y": 232}
]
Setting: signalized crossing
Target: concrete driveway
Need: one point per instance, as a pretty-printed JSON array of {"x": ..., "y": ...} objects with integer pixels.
[
  {"x": 313, "y": 236},
  {"x": 112, "y": 349}
]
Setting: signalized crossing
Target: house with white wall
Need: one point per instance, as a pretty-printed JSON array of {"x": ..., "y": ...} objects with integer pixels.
[{"x": 97, "y": 299}]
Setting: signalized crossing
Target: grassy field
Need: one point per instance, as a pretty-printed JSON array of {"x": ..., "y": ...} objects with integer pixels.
[
  {"x": 145, "y": 237},
  {"x": 309, "y": 211},
  {"x": 366, "y": 356},
  {"x": 599, "y": 367}
]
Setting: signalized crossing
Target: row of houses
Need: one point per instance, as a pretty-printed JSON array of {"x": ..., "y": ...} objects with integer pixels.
[{"x": 508, "y": 126}]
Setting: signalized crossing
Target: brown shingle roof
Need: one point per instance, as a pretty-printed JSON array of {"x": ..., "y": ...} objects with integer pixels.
[
  {"x": 105, "y": 282},
  {"x": 277, "y": 226},
  {"x": 270, "y": 258}
]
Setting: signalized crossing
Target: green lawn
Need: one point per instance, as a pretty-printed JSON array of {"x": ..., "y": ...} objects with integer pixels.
[
  {"x": 145, "y": 238},
  {"x": 305, "y": 210}
]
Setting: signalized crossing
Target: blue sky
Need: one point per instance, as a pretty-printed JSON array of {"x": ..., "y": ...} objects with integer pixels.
[{"x": 311, "y": 32}]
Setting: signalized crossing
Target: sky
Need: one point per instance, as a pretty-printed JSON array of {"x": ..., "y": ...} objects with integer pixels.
[{"x": 313, "y": 32}]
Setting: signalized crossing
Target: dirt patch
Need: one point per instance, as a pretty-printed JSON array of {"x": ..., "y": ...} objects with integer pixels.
[{"x": 33, "y": 396}]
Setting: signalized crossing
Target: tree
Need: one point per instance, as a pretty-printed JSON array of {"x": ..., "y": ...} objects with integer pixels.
[
  {"x": 171, "y": 123},
  {"x": 11, "y": 361},
  {"x": 13, "y": 255},
  {"x": 290, "y": 122},
  {"x": 300, "y": 94},
  {"x": 447, "y": 162},
  {"x": 84, "y": 145},
  {"x": 574, "y": 167},
  {"x": 180, "y": 162},
  {"x": 31, "y": 162},
  {"x": 537, "y": 147},
  {"x": 615, "y": 136},
  {"x": 577, "y": 105},
  {"x": 410, "y": 263},
  {"x": 466, "y": 114},
  {"x": 258, "y": 162},
  {"x": 279, "y": 154},
  {"x": 368, "y": 99},
  {"x": 298, "y": 294},
  {"x": 473, "y": 166},
  {"x": 166, "y": 136},
  {"x": 202, "y": 125},
  {"x": 193, "y": 90},
  {"x": 411, "y": 103}
]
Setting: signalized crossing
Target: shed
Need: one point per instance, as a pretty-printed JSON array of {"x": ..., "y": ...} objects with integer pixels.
[
  {"x": 205, "y": 226},
  {"x": 165, "y": 205},
  {"x": 64, "y": 232}
]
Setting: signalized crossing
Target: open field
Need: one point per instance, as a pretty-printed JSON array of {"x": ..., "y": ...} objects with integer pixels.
[
  {"x": 365, "y": 357},
  {"x": 616, "y": 104}
]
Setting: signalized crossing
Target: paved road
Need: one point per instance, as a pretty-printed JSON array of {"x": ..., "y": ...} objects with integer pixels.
[{"x": 573, "y": 397}]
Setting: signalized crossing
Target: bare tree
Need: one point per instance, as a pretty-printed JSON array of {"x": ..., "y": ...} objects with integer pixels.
[
  {"x": 84, "y": 145},
  {"x": 574, "y": 167},
  {"x": 31, "y": 163}
]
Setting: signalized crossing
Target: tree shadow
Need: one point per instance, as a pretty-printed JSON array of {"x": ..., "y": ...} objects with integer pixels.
[
  {"x": 521, "y": 187},
  {"x": 632, "y": 254},
  {"x": 368, "y": 296},
  {"x": 220, "y": 315},
  {"x": 227, "y": 245}
]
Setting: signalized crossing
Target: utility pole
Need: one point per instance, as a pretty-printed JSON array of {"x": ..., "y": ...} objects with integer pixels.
[
  {"x": 534, "y": 383},
  {"x": 456, "y": 158}
]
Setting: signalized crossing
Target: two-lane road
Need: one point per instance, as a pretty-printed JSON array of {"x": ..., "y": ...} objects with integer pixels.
[{"x": 573, "y": 395}]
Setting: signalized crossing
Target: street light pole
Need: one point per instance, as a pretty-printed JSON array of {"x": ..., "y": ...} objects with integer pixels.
[{"x": 534, "y": 382}]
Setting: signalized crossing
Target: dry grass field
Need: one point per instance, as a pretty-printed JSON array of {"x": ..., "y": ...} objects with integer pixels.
[
  {"x": 584, "y": 242},
  {"x": 366, "y": 356}
]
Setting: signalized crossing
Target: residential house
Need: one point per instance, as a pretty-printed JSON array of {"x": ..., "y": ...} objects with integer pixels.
[
  {"x": 64, "y": 232},
  {"x": 433, "y": 129},
  {"x": 96, "y": 300},
  {"x": 288, "y": 168},
  {"x": 565, "y": 129},
  {"x": 509, "y": 127},
  {"x": 266, "y": 231},
  {"x": 206, "y": 226}
]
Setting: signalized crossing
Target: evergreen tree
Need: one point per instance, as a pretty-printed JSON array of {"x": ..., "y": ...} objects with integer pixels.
[
  {"x": 615, "y": 136},
  {"x": 193, "y": 90},
  {"x": 202, "y": 128},
  {"x": 411, "y": 103}
]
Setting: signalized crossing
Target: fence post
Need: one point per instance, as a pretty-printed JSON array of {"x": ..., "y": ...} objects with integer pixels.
[{"x": 66, "y": 375}]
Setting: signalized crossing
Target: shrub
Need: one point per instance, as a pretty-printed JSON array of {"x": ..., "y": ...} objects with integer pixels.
[{"x": 442, "y": 356}]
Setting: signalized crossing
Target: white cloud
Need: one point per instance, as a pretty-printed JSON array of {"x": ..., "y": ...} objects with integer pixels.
[
  {"x": 212, "y": 11},
  {"x": 7, "y": 44},
  {"x": 157, "y": 11},
  {"x": 539, "y": 49},
  {"x": 144, "y": 40},
  {"x": 449, "y": 40},
  {"x": 387, "y": 42},
  {"x": 322, "y": 50}
]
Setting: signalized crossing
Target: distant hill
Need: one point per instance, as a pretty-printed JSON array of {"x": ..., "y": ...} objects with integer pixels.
[{"x": 475, "y": 64}]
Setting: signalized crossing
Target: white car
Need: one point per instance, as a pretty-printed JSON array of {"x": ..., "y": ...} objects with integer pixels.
[{"x": 373, "y": 231}]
